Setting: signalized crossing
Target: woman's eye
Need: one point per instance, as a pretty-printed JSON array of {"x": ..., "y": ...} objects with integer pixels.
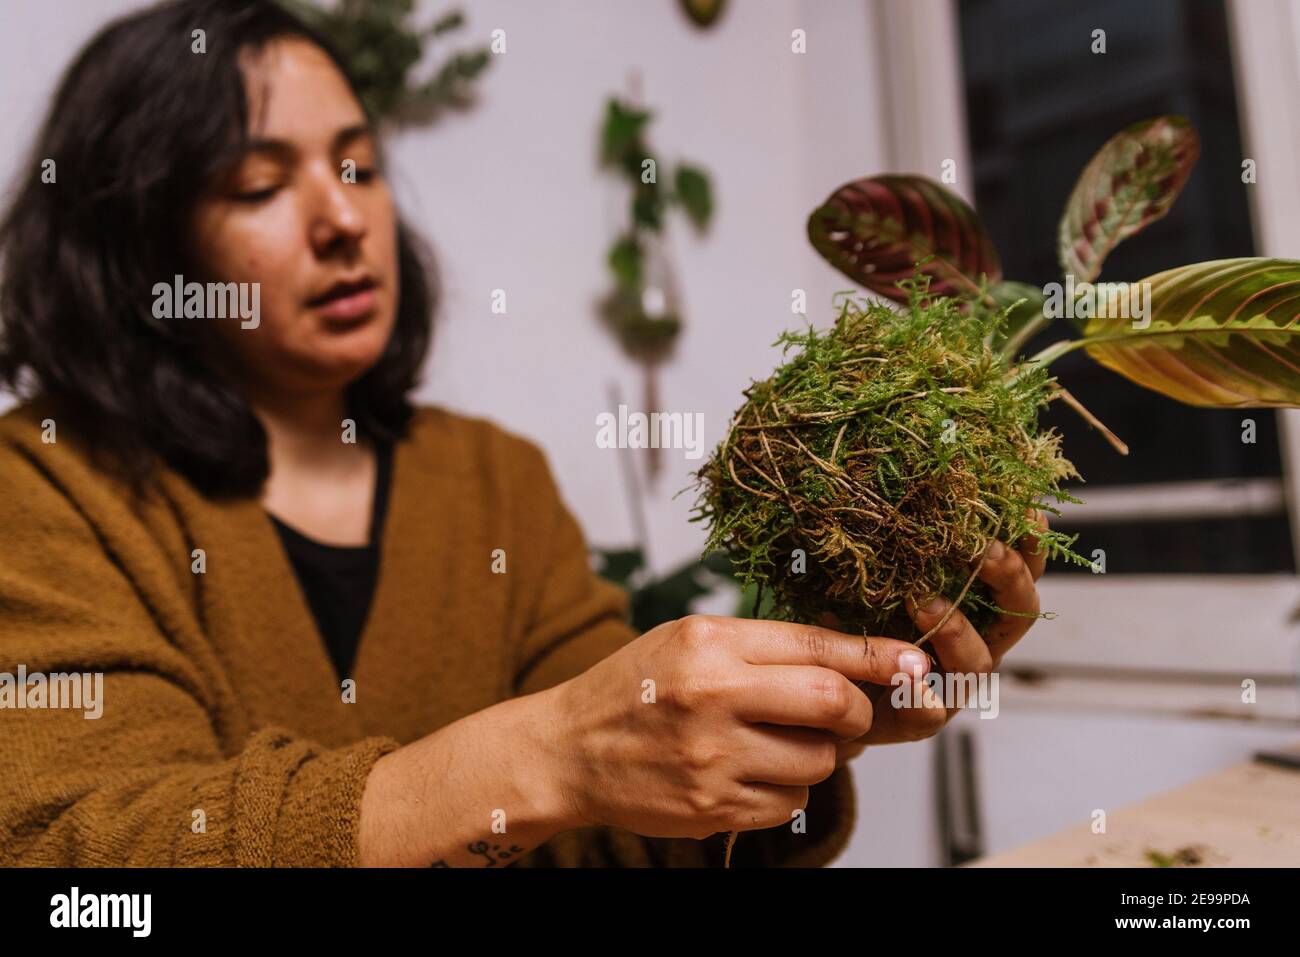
[
  {"x": 366, "y": 174},
  {"x": 256, "y": 195}
]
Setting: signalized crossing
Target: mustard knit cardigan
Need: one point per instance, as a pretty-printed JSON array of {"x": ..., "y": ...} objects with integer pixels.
[{"x": 218, "y": 692}]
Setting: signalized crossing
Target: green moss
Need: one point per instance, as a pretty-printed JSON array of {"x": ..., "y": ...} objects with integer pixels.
[{"x": 890, "y": 449}]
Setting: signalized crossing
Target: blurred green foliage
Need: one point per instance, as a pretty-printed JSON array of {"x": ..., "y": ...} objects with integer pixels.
[
  {"x": 658, "y": 600},
  {"x": 645, "y": 334},
  {"x": 383, "y": 45}
]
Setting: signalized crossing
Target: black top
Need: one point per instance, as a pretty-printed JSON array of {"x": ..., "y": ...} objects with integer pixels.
[{"x": 339, "y": 581}]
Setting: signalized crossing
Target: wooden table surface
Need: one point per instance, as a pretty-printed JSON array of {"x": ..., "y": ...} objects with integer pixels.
[{"x": 1246, "y": 816}]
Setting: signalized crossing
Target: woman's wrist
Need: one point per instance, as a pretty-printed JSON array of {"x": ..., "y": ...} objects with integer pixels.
[
  {"x": 542, "y": 743},
  {"x": 481, "y": 791}
]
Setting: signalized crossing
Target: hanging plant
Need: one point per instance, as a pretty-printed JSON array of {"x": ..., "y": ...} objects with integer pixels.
[
  {"x": 643, "y": 309},
  {"x": 893, "y": 449}
]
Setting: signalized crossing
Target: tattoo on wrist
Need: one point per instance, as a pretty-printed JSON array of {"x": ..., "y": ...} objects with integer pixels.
[{"x": 493, "y": 853}]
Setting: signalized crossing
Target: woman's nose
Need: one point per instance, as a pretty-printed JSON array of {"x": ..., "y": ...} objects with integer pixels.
[{"x": 336, "y": 216}]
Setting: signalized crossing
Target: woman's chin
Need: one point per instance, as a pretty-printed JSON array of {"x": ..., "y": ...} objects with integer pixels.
[
  {"x": 338, "y": 367},
  {"x": 347, "y": 347}
]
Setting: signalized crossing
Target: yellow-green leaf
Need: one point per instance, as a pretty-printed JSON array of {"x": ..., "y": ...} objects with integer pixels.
[{"x": 1217, "y": 334}]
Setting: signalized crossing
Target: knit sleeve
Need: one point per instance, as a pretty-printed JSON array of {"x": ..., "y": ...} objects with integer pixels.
[
  {"x": 580, "y": 619},
  {"x": 134, "y": 773}
]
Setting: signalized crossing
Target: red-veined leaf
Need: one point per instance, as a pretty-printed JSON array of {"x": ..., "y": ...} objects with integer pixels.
[
  {"x": 875, "y": 230},
  {"x": 1131, "y": 182}
]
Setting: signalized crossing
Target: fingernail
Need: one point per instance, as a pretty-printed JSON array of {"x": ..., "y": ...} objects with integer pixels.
[
  {"x": 912, "y": 663},
  {"x": 996, "y": 551},
  {"x": 935, "y": 605}
]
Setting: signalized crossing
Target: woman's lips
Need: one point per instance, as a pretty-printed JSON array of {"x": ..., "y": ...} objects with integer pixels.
[{"x": 355, "y": 305}]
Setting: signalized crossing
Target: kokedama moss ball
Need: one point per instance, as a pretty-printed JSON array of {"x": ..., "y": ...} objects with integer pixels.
[{"x": 880, "y": 461}]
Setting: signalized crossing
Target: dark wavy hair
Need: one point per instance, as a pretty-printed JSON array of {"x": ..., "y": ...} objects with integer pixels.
[{"x": 138, "y": 127}]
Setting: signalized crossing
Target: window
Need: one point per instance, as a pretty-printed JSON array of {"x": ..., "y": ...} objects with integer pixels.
[{"x": 1201, "y": 491}]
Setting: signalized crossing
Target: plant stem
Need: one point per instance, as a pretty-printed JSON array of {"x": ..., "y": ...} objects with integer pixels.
[
  {"x": 1116, "y": 442},
  {"x": 1056, "y": 350},
  {"x": 1051, "y": 354},
  {"x": 1031, "y": 329}
]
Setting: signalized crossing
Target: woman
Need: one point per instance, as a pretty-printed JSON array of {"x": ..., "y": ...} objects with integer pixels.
[{"x": 334, "y": 629}]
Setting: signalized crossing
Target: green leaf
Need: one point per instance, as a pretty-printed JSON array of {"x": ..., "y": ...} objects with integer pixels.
[
  {"x": 876, "y": 230},
  {"x": 695, "y": 194},
  {"x": 648, "y": 207},
  {"x": 670, "y": 597},
  {"x": 618, "y": 565},
  {"x": 1219, "y": 334},
  {"x": 663, "y": 599},
  {"x": 625, "y": 261},
  {"x": 450, "y": 21},
  {"x": 1131, "y": 182},
  {"x": 451, "y": 85},
  {"x": 621, "y": 131},
  {"x": 745, "y": 606}
]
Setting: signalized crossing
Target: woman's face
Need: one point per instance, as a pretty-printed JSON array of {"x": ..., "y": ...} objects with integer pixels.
[{"x": 291, "y": 216}]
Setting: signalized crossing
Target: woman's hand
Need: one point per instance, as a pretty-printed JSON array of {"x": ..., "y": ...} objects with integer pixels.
[
  {"x": 1010, "y": 575},
  {"x": 711, "y": 724}
]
